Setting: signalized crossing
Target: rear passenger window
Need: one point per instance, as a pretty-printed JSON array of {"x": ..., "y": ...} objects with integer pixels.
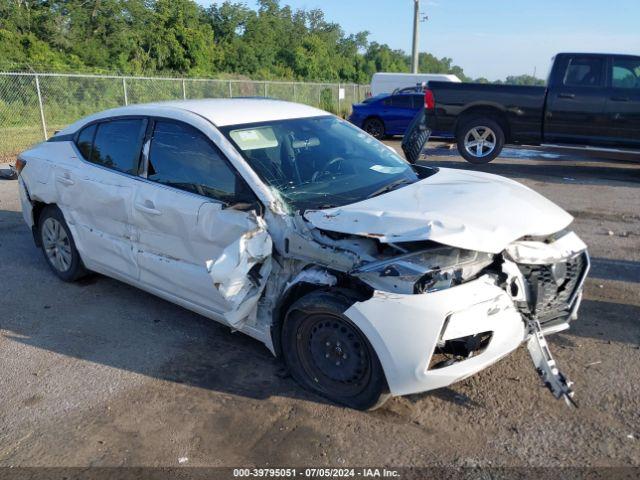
[
  {"x": 85, "y": 141},
  {"x": 117, "y": 144},
  {"x": 584, "y": 72},
  {"x": 402, "y": 101},
  {"x": 626, "y": 73},
  {"x": 182, "y": 157}
]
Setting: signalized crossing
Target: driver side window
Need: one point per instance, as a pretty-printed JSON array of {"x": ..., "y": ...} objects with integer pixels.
[{"x": 182, "y": 157}]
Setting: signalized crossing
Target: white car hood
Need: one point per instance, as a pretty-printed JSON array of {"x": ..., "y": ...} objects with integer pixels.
[{"x": 470, "y": 210}]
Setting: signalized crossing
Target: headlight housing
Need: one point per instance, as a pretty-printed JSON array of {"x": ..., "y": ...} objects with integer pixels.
[{"x": 425, "y": 271}]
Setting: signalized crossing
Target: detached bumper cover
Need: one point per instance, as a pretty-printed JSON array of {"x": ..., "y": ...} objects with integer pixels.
[{"x": 404, "y": 331}]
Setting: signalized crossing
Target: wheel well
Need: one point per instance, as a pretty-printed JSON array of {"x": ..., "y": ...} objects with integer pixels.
[
  {"x": 490, "y": 112},
  {"x": 37, "y": 208},
  {"x": 371, "y": 117},
  {"x": 301, "y": 289}
]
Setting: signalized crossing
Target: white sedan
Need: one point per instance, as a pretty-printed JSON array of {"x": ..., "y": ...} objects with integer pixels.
[{"x": 369, "y": 276}]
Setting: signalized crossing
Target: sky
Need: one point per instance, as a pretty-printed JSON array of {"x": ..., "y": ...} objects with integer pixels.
[{"x": 490, "y": 38}]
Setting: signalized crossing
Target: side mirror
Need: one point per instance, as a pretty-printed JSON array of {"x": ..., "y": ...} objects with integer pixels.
[{"x": 245, "y": 200}]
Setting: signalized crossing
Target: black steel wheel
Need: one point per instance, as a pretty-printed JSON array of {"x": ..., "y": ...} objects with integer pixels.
[{"x": 327, "y": 353}]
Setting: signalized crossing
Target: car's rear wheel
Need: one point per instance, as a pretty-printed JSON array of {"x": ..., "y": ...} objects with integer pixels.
[
  {"x": 58, "y": 246},
  {"x": 328, "y": 354},
  {"x": 480, "y": 140},
  {"x": 374, "y": 127}
]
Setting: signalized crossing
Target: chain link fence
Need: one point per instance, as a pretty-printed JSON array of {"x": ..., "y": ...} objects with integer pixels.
[{"x": 34, "y": 105}]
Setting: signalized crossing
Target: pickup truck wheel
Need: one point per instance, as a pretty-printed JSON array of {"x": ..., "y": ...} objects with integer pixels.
[
  {"x": 326, "y": 353},
  {"x": 480, "y": 140},
  {"x": 374, "y": 127}
]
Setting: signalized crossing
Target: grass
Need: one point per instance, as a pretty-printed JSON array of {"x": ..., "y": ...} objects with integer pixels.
[{"x": 14, "y": 140}]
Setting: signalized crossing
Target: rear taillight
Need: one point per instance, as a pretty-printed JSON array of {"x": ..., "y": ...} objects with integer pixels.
[
  {"x": 20, "y": 164},
  {"x": 429, "y": 100}
]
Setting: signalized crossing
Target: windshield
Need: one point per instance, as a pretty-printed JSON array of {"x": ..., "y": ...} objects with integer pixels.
[{"x": 320, "y": 162}]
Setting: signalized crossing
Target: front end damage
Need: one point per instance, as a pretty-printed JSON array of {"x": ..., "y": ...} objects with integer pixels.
[{"x": 434, "y": 314}]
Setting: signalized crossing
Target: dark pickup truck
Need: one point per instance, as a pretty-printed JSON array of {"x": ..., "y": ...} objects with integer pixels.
[{"x": 591, "y": 100}]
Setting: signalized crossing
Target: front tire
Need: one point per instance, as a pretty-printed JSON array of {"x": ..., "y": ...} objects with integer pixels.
[
  {"x": 480, "y": 140},
  {"x": 328, "y": 354},
  {"x": 374, "y": 127},
  {"x": 58, "y": 246}
]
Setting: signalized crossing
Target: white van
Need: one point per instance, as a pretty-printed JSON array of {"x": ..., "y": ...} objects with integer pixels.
[{"x": 388, "y": 82}]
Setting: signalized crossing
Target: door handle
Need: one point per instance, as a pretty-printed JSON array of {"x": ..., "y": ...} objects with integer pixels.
[
  {"x": 567, "y": 95},
  {"x": 65, "y": 180},
  {"x": 620, "y": 99},
  {"x": 148, "y": 207}
]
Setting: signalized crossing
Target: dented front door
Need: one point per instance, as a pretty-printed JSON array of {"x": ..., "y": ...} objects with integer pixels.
[
  {"x": 191, "y": 245},
  {"x": 178, "y": 233}
]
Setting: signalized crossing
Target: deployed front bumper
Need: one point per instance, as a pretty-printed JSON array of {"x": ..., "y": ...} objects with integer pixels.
[{"x": 405, "y": 330}]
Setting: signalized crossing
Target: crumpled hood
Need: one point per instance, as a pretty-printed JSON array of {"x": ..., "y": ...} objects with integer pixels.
[{"x": 470, "y": 210}]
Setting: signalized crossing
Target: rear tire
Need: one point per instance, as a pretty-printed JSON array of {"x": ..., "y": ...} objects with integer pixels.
[
  {"x": 374, "y": 127},
  {"x": 480, "y": 140},
  {"x": 58, "y": 246},
  {"x": 328, "y": 354}
]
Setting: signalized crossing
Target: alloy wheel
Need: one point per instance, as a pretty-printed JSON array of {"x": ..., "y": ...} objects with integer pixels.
[
  {"x": 56, "y": 244},
  {"x": 480, "y": 141}
]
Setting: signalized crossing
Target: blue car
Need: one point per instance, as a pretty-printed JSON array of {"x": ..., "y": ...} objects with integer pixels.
[
  {"x": 390, "y": 114},
  {"x": 387, "y": 114}
]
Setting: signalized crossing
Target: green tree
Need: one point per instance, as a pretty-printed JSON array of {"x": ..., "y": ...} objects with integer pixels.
[{"x": 183, "y": 38}]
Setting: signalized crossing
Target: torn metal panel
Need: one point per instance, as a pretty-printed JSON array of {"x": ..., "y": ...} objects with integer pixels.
[
  {"x": 315, "y": 276},
  {"x": 471, "y": 210},
  {"x": 554, "y": 380},
  {"x": 516, "y": 284},
  {"x": 312, "y": 246},
  {"x": 532, "y": 252},
  {"x": 235, "y": 275}
]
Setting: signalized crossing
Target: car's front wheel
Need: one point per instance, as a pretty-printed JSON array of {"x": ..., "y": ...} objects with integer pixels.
[
  {"x": 374, "y": 127},
  {"x": 480, "y": 140},
  {"x": 328, "y": 354},
  {"x": 58, "y": 246}
]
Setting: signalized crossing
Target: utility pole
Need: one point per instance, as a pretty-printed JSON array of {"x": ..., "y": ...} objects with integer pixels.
[{"x": 416, "y": 23}]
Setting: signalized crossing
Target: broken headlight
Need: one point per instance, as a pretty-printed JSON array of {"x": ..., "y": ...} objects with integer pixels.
[{"x": 425, "y": 271}]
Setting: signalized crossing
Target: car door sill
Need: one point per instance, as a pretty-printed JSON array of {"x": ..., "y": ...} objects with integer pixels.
[{"x": 194, "y": 307}]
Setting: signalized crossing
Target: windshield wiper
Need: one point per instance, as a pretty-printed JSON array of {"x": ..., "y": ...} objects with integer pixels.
[{"x": 391, "y": 186}]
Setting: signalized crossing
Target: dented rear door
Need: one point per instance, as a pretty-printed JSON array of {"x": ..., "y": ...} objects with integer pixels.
[{"x": 95, "y": 190}]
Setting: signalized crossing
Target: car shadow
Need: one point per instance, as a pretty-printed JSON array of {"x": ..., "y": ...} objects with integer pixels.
[
  {"x": 110, "y": 323},
  {"x": 607, "y": 322}
]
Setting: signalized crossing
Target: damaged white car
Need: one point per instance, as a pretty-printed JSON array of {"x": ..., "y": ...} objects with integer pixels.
[{"x": 369, "y": 276}]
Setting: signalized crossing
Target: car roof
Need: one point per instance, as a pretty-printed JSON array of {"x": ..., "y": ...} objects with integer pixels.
[
  {"x": 237, "y": 111},
  {"x": 219, "y": 111},
  {"x": 589, "y": 54}
]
